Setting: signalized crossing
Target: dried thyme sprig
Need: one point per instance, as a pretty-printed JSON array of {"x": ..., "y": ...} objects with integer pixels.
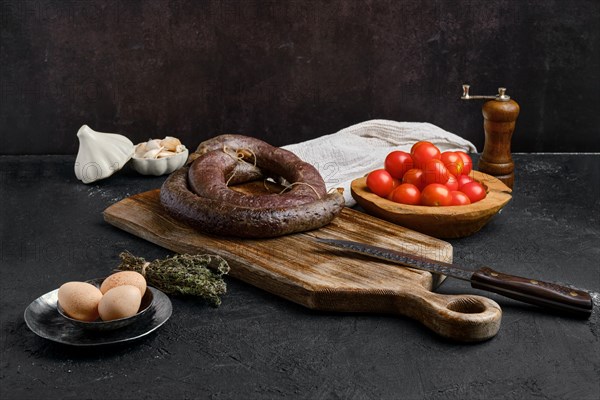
[{"x": 183, "y": 274}]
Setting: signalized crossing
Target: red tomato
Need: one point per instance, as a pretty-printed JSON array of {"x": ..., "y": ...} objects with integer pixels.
[
  {"x": 452, "y": 183},
  {"x": 459, "y": 198},
  {"x": 415, "y": 177},
  {"x": 422, "y": 152},
  {"x": 417, "y": 144},
  {"x": 462, "y": 179},
  {"x": 406, "y": 194},
  {"x": 380, "y": 182},
  {"x": 453, "y": 162},
  {"x": 474, "y": 190},
  {"x": 397, "y": 163},
  {"x": 395, "y": 184},
  {"x": 435, "y": 172},
  {"x": 436, "y": 194},
  {"x": 467, "y": 162}
]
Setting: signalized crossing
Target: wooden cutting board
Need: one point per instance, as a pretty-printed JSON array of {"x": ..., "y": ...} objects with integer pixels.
[{"x": 313, "y": 275}]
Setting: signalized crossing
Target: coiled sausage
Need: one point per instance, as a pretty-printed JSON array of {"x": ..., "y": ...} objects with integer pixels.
[{"x": 199, "y": 194}]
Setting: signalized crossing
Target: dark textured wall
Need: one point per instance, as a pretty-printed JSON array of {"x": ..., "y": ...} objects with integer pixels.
[{"x": 288, "y": 71}]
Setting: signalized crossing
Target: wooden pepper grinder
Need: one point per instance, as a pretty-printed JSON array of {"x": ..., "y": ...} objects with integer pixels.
[{"x": 499, "y": 118}]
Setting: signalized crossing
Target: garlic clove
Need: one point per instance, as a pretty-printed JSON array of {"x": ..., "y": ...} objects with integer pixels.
[
  {"x": 140, "y": 150},
  {"x": 153, "y": 153},
  {"x": 180, "y": 148},
  {"x": 100, "y": 154},
  {"x": 170, "y": 143},
  {"x": 165, "y": 153},
  {"x": 153, "y": 144}
]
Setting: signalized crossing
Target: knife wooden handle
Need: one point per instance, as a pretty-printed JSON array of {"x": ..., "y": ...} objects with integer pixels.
[{"x": 570, "y": 301}]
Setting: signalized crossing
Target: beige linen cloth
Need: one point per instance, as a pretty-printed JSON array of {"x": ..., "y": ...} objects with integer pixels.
[{"x": 359, "y": 149}]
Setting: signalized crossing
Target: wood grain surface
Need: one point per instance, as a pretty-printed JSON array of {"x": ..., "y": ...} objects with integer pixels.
[{"x": 297, "y": 268}]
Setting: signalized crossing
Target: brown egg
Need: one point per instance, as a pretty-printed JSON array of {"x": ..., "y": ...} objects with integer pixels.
[
  {"x": 80, "y": 300},
  {"x": 120, "y": 302},
  {"x": 124, "y": 278}
]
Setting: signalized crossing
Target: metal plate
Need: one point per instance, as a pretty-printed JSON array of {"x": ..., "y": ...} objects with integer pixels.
[{"x": 42, "y": 317}]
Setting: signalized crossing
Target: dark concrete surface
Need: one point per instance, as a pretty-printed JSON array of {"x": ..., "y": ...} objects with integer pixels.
[
  {"x": 292, "y": 70},
  {"x": 259, "y": 346}
]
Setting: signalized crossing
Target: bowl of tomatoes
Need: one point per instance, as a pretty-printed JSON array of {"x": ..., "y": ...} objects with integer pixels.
[{"x": 433, "y": 192}]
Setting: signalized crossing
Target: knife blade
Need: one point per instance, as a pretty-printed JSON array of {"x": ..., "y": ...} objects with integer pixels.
[{"x": 575, "y": 302}]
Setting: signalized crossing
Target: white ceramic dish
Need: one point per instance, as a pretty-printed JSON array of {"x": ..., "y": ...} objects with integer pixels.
[{"x": 159, "y": 166}]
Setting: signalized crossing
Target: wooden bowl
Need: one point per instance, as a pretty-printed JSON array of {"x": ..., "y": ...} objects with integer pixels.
[{"x": 441, "y": 222}]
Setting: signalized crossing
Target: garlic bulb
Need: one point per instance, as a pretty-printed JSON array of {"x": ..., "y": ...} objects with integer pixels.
[{"x": 100, "y": 154}]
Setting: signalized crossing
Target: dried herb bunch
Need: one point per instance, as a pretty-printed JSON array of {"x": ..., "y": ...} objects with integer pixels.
[{"x": 183, "y": 274}]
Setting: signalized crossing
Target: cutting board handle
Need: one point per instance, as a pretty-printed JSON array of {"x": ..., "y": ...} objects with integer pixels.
[{"x": 465, "y": 318}]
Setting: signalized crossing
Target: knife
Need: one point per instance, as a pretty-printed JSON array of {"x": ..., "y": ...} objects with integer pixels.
[{"x": 570, "y": 301}]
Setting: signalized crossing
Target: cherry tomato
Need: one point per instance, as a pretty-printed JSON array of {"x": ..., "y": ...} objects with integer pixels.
[
  {"x": 462, "y": 179},
  {"x": 467, "y": 162},
  {"x": 452, "y": 183},
  {"x": 459, "y": 198},
  {"x": 453, "y": 162},
  {"x": 422, "y": 152},
  {"x": 474, "y": 190},
  {"x": 436, "y": 194},
  {"x": 380, "y": 182},
  {"x": 397, "y": 163},
  {"x": 406, "y": 194},
  {"x": 435, "y": 172},
  {"x": 415, "y": 177},
  {"x": 417, "y": 144},
  {"x": 395, "y": 184}
]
